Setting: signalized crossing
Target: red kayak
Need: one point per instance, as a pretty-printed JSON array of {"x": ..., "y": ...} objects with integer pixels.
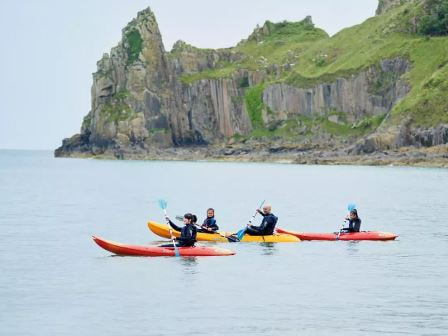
[
  {"x": 363, "y": 235},
  {"x": 157, "y": 251}
]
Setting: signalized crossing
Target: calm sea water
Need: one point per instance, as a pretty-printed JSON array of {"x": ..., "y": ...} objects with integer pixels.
[{"x": 55, "y": 281}]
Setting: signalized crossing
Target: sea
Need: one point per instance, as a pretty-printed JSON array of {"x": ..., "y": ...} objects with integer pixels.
[{"x": 54, "y": 280}]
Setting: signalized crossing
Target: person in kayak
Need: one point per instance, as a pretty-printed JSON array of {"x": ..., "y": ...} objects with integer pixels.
[
  {"x": 267, "y": 225},
  {"x": 187, "y": 233},
  {"x": 354, "y": 222},
  {"x": 209, "y": 225}
]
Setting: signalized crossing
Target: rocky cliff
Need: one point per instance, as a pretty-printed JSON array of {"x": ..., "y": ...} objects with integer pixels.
[
  {"x": 385, "y": 5},
  {"x": 287, "y": 83}
]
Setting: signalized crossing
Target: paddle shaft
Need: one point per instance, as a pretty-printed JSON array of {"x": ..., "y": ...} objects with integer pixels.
[
  {"x": 240, "y": 234},
  {"x": 176, "y": 250},
  {"x": 255, "y": 214},
  {"x": 339, "y": 234}
]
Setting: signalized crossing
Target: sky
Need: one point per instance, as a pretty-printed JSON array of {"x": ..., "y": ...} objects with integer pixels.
[{"x": 49, "y": 49}]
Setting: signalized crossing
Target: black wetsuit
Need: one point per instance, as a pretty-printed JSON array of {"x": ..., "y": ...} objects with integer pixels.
[
  {"x": 354, "y": 225},
  {"x": 266, "y": 228},
  {"x": 187, "y": 235},
  {"x": 209, "y": 222}
]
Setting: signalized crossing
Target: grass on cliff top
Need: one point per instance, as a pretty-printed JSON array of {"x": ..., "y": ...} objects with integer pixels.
[
  {"x": 318, "y": 59},
  {"x": 274, "y": 48},
  {"x": 283, "y": 44},
  {"x": 378, "y": 38}
]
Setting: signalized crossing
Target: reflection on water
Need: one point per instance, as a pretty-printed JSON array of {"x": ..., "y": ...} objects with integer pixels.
[
  {"x": 189, "y": 261},
  {"x": 352, "y": 247},
  {"x": 269, "y": 248},
  {"x": 189, "y": 265}
]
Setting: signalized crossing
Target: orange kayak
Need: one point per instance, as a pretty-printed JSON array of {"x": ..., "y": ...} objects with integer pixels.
[
  {"x": 157, "y": 251},
  {"x": 363, "y": 235}
]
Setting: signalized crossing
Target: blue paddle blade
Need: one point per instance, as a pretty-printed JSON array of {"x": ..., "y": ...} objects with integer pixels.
[
  {"x": 162, "y": 204},
  {"x": 240, "y": 233},
  {"x": 351, "y": 206}
]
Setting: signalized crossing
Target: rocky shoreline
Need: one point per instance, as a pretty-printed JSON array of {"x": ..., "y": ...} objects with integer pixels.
[{"x": 436, "y": 156}]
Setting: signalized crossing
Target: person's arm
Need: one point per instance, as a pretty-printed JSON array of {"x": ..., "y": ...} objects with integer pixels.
[
  {"x": 212, "y": 224},
  {"x": 208, "y": 224},
  {"x": 174, "y": 226}
]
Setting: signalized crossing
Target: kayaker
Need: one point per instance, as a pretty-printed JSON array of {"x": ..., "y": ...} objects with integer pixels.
[
  {"x": 267, "y": 225},
  {"x": 187, "y": 233},
  {"x": 354, "y": 222},
  {"x": 209, "y": 225}
]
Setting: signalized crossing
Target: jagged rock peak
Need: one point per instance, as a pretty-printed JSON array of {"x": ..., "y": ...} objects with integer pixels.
[
  {"x": 308, "y": 20},
  {"x": 145, "y": 18},
  {"x": 385, "y": 5},
  {"x": 147, "y": 12}
]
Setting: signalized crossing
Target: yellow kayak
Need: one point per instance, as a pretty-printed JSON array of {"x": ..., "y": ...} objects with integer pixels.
[{"x": 162, "y": 230}]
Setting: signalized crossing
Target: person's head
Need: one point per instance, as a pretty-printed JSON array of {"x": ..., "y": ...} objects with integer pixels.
[
  {"x": 210, "y": 212},
  {"x": 195, "y": 219},
  {"x": 354, "y": 214},
  {"x": 267, "y": 209},
  {"x": 188, "y": 218}
]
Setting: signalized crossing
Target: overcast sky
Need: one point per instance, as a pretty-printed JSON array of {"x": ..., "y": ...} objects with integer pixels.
[{"x": 49, "y": 49}]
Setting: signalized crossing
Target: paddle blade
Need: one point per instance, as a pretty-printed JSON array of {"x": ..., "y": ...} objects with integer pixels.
[
  {"x": 163, "y": 204},
  {"x": 351, "y": 206},
  {"x": 240, "y": 233},
  {"x": 232, "y": 239}
]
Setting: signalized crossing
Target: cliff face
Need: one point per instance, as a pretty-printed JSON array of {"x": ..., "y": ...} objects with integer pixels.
[
  {"x": 358, "y": 96},
  {"x": 145, "y": 98},
  {"x": 385, "y": 5},
  {"x": 139, "y": 100}
]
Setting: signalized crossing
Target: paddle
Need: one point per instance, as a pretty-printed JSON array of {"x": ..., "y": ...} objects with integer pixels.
[
  {"x": 240, "y": 233},
  {"x": 350, "y": 207},
  {"x": 231, "y": 239},
  {"x": 163, "y": 204}
]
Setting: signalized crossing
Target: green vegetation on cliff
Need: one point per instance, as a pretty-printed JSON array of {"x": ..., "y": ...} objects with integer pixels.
[
  {"x": 254, "y": 105},
  {"x": 134, "y": 45},
  {"x": 117, "y": 109},
  {"x": 435, "y": 20},
  {"x": 302, "y": 127},
  {"x": 278, "y": 43},
  {"x": 222, "y": 72},
  {"x": 305, "y": 56}
]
